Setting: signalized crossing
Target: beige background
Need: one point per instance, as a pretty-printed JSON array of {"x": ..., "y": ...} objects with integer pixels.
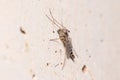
[{"x": 95, "y": 29}]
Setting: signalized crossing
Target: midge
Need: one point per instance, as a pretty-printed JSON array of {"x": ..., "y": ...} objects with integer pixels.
[{"x": 64, "y": 37}]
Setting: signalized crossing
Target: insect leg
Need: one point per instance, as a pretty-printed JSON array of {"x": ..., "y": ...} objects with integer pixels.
[
  {"x": 54, "y": 39},
  {"x": 64, "y": 62}
]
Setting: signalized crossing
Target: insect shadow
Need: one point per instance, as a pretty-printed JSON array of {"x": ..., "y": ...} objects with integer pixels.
[{"x": 65, "y": 39}]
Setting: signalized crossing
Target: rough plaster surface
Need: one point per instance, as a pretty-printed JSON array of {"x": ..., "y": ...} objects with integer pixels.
[{"x": 94, "y": 28}]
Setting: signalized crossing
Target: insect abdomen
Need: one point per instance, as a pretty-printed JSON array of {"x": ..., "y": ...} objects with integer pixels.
[{"x": 69, "y": 50}]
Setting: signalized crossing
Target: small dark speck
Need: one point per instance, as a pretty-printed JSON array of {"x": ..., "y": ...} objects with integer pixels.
[
  {"x": 6, "y": 46},
  {"x": 53, "y": 31},
  {"x": 86, "y": 25},
  {"x": 47, "y": 64},
  {"x": 84, "y": 68},
  {"x": 89, "y": 56},
  {"x": 101, "y": 40},
  {"x": 101, "y": 15},
  {"x": 22, "y": 31},
  {"x": 33, "y": 75},
  {"x": 56, "y": 51},
  {"x": 26, "y": 46},
  {"x": 89, "y": 11},
  {"x": 86, "y": 50},
  {"x": 43, "y": 40},
  {"x": 61, "y": 63}
]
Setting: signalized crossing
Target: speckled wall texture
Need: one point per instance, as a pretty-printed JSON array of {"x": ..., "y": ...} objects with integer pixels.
[{"x": 26, "y": 52}]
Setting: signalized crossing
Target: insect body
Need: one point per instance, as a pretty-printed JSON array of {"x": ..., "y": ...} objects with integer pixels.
[
  {"x": 64, "y": 37},
  {"x": 66, "y": 40}
]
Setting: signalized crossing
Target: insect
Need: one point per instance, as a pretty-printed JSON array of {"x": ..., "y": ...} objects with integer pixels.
[{"x": 64, "y": 37}]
